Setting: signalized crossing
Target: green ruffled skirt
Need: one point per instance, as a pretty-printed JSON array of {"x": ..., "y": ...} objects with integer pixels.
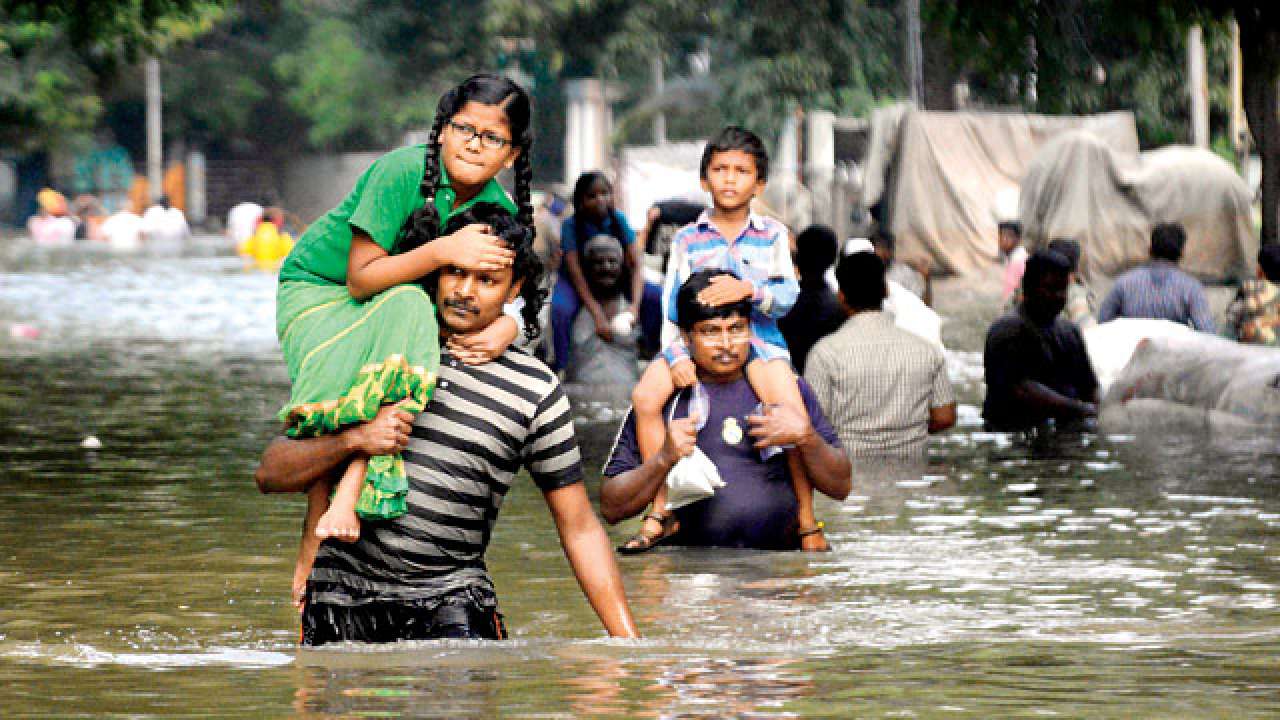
[{"x": 347, "y": 358}]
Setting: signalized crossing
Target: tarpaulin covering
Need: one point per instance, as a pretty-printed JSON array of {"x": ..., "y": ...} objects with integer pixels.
[
  {"x": 1205, "y": 372},
  {"x": 939, "y": 175},
  {"x": 1108, "y": 201}
]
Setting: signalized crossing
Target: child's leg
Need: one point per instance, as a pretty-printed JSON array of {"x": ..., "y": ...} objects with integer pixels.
[
  {"x": 317, "y": 503},
  {"x": 775, "y": 383},
  {"x": 647, "y": 400},
  {"x": 340, "y": 521}
]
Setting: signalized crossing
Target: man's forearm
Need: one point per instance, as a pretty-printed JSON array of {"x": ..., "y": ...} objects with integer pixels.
[
  {"x": 290, "y": 465},
  {"x": 1049, "y": 401},
  {"x": 830, "y": 471},
  {"x": 587, "y": 547},
  {"x": 628, "y": 493}
]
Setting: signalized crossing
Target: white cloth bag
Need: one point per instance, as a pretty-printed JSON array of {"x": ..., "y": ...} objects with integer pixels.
[{"x": 695, "y": 477}]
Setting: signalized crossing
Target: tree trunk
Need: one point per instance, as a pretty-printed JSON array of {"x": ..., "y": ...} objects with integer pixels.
[{"x": 1260, "y": 48}]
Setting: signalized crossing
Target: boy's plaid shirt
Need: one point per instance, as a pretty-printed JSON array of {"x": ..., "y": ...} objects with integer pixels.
[{"x": 761, "y": 254}]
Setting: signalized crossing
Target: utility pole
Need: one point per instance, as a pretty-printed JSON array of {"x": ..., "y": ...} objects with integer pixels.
[
  {"x": 1237, "y": 126},
  {"x": 155, "y": 138},
  {"x": 915, "y": 54},
  {"x": 1198, "y": 87},
  {"x": 659, "y": 119}
]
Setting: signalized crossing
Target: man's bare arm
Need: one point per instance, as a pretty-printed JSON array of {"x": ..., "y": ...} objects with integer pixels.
[
  {"x": 587, "y": 547},
  {"x": 942, "y": 417},
  {"x": 628, "y": 493},
  {"x": 290, "y": 465},
  {"x": 1051, "y": 402}
]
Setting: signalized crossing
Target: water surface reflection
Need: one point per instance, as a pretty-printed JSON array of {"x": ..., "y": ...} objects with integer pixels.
[{"x": 1096, "y": 575}]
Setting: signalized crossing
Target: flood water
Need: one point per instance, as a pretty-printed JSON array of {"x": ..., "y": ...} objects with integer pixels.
[{"x": 1097, "y": 575}]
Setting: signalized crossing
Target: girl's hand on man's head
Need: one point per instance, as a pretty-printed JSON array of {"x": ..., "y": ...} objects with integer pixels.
[{"x": 473, "y": 247}]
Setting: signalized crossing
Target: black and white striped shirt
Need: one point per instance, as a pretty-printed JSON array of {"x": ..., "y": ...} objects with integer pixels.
[{"x": 482, "y": 425}]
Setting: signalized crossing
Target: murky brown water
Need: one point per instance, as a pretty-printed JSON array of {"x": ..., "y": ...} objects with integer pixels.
[{"x": 1079, "y": 576}]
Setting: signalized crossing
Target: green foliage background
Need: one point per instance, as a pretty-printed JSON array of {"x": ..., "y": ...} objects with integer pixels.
[{"x": 276, "y": 77}]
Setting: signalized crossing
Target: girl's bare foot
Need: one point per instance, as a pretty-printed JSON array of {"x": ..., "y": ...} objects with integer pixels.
[{"x": 339, "y": 524}]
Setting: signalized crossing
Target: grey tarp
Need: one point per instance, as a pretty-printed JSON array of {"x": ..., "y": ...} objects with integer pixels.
[
  {"x": 1210, "y": 374},
  {"x": 939, "y": 175},
  {"x": 1079, "y": 187}
]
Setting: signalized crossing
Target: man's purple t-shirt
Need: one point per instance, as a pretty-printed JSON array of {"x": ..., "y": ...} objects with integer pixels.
[{"x": 757, "y": 506}]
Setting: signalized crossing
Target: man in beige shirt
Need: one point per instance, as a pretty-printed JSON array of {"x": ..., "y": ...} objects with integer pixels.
[{"x": 883, "y": 389}]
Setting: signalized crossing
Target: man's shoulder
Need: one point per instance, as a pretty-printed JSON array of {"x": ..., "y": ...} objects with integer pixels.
[
  {"x": 686, "y": 233},
  {"x": 772, "y": 227},
  {"x": 1189, "y": 281},
  {"x": 534, "y": 371},
  {"x": 1131, "y": 276},
  {"x": 1065, "y": 328},
  {"x": 830, "y": 344},
  {"x": 520, "y": 375},
  {"x": 1008, "y": 325},
  {"x": 909, "y": 340}
]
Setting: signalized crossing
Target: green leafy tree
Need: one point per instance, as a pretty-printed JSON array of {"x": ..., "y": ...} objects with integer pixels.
[
  {"x": 766, "y": 58},
  {"x": 56, "y": 56}
]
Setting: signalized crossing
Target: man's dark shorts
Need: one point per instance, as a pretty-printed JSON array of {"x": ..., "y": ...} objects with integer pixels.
[{"x": 465, "y": 614}]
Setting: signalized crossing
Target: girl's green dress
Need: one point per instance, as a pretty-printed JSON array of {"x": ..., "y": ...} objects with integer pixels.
[{"x": 347, "y": 357}]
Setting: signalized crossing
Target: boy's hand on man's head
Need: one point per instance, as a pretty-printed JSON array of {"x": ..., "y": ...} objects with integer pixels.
[
  {"x": 725, "y": 289},
  {"x": 683, "y": 374}
]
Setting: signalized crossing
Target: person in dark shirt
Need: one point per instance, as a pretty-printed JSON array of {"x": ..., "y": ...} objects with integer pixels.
[
  {"x": 757, "y": 506},
  {"x": 817, "y": 312},
  {"x": 662, "y": 222},
  {"x": 1037, "y": 369}
]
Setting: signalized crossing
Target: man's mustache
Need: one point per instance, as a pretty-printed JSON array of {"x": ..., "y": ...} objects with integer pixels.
[{"x": 460, "y": 305}]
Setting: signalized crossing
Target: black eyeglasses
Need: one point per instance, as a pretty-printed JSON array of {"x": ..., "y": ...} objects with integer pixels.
[{"x": 489, "y": 140}]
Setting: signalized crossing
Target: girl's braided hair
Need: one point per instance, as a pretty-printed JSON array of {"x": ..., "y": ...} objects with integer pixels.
[{"x": 423, "y": 225}]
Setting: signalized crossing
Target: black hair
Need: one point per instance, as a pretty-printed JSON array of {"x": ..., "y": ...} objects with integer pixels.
[
  {"x": 736, "y": 138},
  {"x": 884, "y": 238},
  {"x": 423, "y": 225},
  {"x": 1167, "y": 241},
  {"x": 527, "y": 266},
  {"x": 583, "y": 186},
  {"x": 860, "y": 276},
  {"x": 1013, "y": 225},
  {"x": 691, "y": 311},
  {"x": 1067, "y": 248},
  {"x": 1043, "y": 263},
  {"x": 1269, "y": 261},
  {"x": 816, "y": 250}
]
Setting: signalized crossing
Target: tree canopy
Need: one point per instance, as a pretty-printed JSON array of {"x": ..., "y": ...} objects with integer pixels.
[{"x": 281, "y": 76}]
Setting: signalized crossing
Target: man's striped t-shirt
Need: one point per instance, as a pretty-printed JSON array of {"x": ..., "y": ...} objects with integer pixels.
[{"x": 484, "y": 423}]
